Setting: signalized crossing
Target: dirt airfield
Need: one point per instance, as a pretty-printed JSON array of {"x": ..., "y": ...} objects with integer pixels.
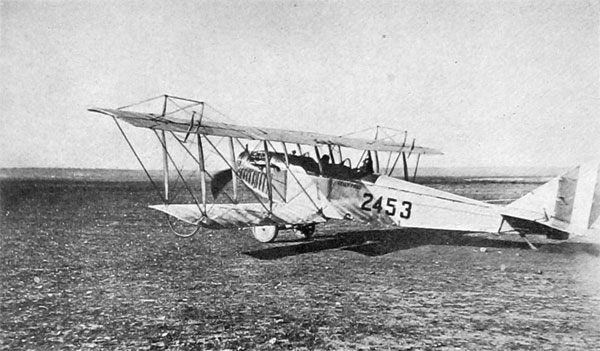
[{"x": 85, "y": 265}]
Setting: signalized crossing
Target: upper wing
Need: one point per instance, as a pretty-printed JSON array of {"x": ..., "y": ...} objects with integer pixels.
[{"x": 169, "y": 123}]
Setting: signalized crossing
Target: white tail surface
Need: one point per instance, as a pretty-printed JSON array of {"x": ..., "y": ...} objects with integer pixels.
[{"x": 569, "y": 203}]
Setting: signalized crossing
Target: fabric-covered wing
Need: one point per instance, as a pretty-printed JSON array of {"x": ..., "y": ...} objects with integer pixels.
[
  {"x": 241, "y": 215},
  {"x": 147, "y": 120}
]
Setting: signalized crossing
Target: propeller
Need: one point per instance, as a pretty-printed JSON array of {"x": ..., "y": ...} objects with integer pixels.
[{"x": 220, "y": 181}]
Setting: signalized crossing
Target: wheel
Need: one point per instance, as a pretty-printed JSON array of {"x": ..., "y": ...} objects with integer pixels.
[
  {"x": 307, "y": 230},
  {"x": 265, "y": 234}
]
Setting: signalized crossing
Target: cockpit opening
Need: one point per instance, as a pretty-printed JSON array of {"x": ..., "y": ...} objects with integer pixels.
[{"x": 326, "y": 168}]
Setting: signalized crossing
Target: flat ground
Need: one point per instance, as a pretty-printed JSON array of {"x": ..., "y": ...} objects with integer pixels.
[{"x": 86, "y": 265}]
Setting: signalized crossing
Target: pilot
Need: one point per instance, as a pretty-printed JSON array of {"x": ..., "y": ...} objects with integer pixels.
[
  {"x": 366, "y": 168},
  {"x": 368, "y": 165}
]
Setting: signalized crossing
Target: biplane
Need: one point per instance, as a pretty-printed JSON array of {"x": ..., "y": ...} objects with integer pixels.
[{"x": 271, "y": 179}]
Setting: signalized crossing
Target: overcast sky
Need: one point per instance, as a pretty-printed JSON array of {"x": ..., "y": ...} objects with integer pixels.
[{"x": 490, "y": 83}]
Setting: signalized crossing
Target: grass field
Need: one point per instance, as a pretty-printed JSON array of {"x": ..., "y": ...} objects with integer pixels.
[{"x": 86, "y": 265}]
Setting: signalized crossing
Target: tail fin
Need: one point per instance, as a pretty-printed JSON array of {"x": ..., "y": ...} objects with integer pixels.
[{"x": 568, "y": 204}]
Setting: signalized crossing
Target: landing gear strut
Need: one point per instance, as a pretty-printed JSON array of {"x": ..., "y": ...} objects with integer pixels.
[
  {"x": 307, "y": 230},
  {"x": 268, "y": 233}
]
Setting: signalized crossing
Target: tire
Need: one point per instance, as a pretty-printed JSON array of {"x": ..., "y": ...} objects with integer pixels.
[{"x": 265, "y": 234}]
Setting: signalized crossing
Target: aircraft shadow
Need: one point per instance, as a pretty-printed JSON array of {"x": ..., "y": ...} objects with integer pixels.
[{"x": 382, "y": 242}]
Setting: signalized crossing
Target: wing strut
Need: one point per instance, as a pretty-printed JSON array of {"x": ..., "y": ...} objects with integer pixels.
[
  {"x": 185, "y": 184},
  {"x": 398, "y": 156},
  {"x": 391, "y": 170},
  {"x": 165, "y": 165},
  {"x": 202, "y": 172},
  {"x": 376, "y": 153},
  {"x": 331, "y": 154},
  {"x": 405, "y": 166},
  {"x": 214, "y": 148},
  {"x": 319, "y": 160},
  {"x": 198, "y": 162},
  {"x": 287, "y": 166},
  {"x": 269, "y": 179},
  {"x": 233, "y": 169},
  {"x": 285, "y": 153},
  {"x": 416, "y": 168}
]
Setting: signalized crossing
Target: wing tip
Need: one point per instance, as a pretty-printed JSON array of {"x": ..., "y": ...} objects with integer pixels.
[
  {"x": 429, "y": 151},
  {"x": 101, "y": 110}
]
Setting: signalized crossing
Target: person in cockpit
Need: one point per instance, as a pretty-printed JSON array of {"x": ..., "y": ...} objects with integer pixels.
[
  {"x": 366, "y": 168},
  {"x": 324, "y": 162}
]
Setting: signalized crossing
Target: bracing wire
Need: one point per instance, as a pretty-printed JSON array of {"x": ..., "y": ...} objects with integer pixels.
[
  {"x": 238, "y": 174},
  {"x": 169, "y": 221},
  {"x": 198, "y": 163},
  {"x": 140, "y": 161},
  {"x": 179, "y": 174},
  {"x": 141, "y": 102},
  {"x": 301, "y": 186}
]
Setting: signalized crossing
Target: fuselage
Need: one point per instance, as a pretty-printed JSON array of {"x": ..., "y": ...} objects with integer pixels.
[{"x": 368, "y": 198}]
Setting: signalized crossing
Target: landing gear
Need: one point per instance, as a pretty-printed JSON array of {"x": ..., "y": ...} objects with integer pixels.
[
  {"x": 266, "y": 233},
  {"x": 307, "y": 230}
]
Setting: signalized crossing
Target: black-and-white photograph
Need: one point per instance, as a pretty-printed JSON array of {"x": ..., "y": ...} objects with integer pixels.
[{"x": 300, "y": 175}]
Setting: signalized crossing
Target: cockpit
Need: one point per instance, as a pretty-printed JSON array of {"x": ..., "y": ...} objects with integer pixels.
[{"x": 279, "y": 161}]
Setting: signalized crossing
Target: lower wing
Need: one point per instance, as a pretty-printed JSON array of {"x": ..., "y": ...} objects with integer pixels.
[{"x": 241, "y": 215}]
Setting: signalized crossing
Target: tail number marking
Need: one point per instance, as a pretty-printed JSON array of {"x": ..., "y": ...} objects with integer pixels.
[{"x": 391, "y": 207}]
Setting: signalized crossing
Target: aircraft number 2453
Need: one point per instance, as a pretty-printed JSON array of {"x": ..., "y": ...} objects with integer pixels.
[{"x": 391, "y": 205}]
